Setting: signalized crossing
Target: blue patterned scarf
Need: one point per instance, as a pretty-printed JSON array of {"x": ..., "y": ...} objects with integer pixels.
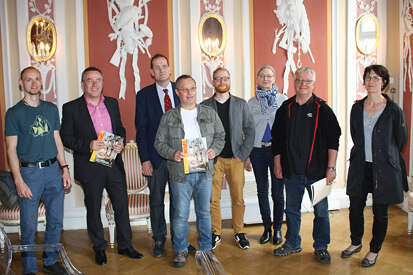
[{"x": 267, "y": 99}]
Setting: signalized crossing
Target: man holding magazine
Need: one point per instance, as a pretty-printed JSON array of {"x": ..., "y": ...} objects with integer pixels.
[
  {"x": 186, "y": 122},
  {"x": 82, "y": 122}
]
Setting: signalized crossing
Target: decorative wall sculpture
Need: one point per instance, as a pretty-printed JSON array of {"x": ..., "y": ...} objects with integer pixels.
[
  {"x": 210, "y": 63},
  {"x": 407, "y": 20},
  {"x": 47, "y": 68},
  {"x": 295, "y": 33},
  {"x": 130, "y": 35},
  {"x": 363, "y": 60}
]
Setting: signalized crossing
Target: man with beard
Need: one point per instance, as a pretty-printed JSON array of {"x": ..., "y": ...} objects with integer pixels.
[{"x": 239, "y": 140}]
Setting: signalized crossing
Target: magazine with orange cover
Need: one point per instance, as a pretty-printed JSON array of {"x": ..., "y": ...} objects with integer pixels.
[
  {"x": 107, "y": 155},
  {"x": 196, "y": 159}
]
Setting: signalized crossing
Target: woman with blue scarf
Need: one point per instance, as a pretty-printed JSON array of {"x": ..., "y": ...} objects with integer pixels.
[{"x": 263, "y": 108}]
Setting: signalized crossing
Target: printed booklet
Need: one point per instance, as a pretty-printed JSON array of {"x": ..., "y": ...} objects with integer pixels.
[
  {"x": 107, "y": 155},
  {"x": 195, "y": 159},
  {"x": 320, "y": 190}
]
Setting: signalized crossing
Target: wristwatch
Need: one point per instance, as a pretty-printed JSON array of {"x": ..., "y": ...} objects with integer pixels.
[{"x": 331, "y": 168}]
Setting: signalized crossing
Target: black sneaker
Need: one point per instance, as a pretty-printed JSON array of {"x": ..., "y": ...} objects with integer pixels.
[
  {"x": 322, "y": 255},
  {"x": 55, "y": 269},
  {"x": 191, "y": 248},
  {"x": 242, "y": 240},
  {"x": 285, "y": 250},
  {"x": 216, "y": 239},
  {"x": 158, "y": 248}
]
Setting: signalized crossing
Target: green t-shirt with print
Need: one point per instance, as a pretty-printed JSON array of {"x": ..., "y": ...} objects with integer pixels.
[{"x": 34, "y": 128}]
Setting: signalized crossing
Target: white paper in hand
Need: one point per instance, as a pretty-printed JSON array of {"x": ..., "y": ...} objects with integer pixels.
[{"x": 319, "y": 191}]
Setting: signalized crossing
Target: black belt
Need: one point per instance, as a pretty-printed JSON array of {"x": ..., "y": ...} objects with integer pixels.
[
  {"x": 41, "y": 164},
  {"x": 266, "y": 143}
]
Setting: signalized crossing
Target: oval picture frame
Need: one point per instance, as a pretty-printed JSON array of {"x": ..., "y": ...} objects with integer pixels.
[
  {"x": 212, "y": 29},
  {"x": 41, "y": 30},
  {"x": 364, "y": 36}
]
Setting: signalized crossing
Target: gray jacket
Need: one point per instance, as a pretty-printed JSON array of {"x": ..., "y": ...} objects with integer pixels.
[
  {"x": 170, "y": 133},
  {"x": 242, "y": 128}
]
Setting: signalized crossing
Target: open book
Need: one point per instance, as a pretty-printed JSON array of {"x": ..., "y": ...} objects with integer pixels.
[
  {"x": 107, "y": 155},
  {"x": 195, "y": 159},
  {"x": 319, "y": 191}
]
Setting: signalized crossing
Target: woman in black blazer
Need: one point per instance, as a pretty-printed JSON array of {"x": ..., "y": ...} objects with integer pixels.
[{"x": 379, "y": 133}]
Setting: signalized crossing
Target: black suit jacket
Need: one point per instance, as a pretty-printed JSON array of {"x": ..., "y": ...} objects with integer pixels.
[
  {"x": 147, "y": 117},
  {"x": 77, "y": 131}
]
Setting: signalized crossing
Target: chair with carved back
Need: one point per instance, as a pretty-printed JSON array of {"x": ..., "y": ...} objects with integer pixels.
[{"x": 138, "y": 192}]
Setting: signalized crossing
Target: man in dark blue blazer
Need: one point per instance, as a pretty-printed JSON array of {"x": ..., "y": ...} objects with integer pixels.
[
  {"x": 82, "y": 120},
  {"x": 150, "y": 106}
]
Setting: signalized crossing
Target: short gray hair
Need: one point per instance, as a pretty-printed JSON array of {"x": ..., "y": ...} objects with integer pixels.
[
  {"x": 266, "y": 67},
  {"x": 305, "y": 69}
]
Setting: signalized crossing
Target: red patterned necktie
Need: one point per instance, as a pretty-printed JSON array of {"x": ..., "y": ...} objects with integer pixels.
[{"x": 168, "y": 103}]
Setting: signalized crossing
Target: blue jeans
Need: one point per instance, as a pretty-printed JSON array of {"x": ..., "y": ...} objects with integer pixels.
[
  {"x": 262, "y": 160},
  {"x": 198, "y": 185},
  {"x": 44, "y": 183},
  {"x": 294, "y": 188}
]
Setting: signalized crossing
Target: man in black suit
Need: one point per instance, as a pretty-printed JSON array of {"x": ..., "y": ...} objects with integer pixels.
[
  {"x": 82, "y": 121},
  {"x": 151, "y": 103}
]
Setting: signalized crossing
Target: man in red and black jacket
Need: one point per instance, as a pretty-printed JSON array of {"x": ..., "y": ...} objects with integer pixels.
[{"x": 305, "y": 144}]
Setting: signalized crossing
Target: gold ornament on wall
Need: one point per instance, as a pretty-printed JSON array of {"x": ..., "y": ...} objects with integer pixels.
[
  {"x": 41, "y": 38},
  {"x": 212, "y": 34},
  {"x": 367, "y": 34}
]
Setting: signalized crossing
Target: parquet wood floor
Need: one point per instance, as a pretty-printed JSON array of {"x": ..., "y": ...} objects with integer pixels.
[{"x": 396, "y": 256}]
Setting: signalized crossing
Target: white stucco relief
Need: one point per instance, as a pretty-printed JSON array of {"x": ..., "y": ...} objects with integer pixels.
[
  {"x": 130, "y": 35},
  {"x": 295, "y": 33},
  {"x": 364, "y": 60},
  {"x": 407, "y": 48},
  {"x": 47, "y": 68}
]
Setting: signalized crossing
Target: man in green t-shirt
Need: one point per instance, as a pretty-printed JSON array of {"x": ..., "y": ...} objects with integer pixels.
[{"x": 33, "y": 145}]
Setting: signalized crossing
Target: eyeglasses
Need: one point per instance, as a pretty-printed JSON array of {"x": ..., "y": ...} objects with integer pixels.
[
  {"x": 306, "y": 81},
  {"x": 223, "y": 78},
  {"x": 263, "y": 76},
  {"x": 374, "y": 78},
  {"x": 186, "y": 90}
]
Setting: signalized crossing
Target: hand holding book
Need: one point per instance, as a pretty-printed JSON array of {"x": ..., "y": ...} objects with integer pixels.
[{"x": 105, "y": 148}]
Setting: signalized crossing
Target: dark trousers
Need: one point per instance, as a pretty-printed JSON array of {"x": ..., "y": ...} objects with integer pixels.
[
  {"x": 114, "y": 181},
  {"x": 356, "y": 215},
  {"x": 157, "y": 184},
  {"x": 262, "y": 160}
]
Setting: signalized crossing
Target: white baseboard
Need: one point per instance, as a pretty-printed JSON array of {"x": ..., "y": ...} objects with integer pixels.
[
  {"x": 75, "y": 218},
  {"x": 337, "y": 200}
]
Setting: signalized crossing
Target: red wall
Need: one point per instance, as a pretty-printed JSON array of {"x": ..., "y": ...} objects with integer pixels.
[
  {"x": 407, "y": 103},
  {"x": 265, "y": 22},
  {"x": 101, "y": 50},
  {"x": 2, "y": 114},
  {"x": 2, "y": 145}
]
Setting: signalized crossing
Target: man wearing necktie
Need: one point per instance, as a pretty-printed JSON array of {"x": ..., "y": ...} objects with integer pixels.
[{"x": 151, "y": 103}]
